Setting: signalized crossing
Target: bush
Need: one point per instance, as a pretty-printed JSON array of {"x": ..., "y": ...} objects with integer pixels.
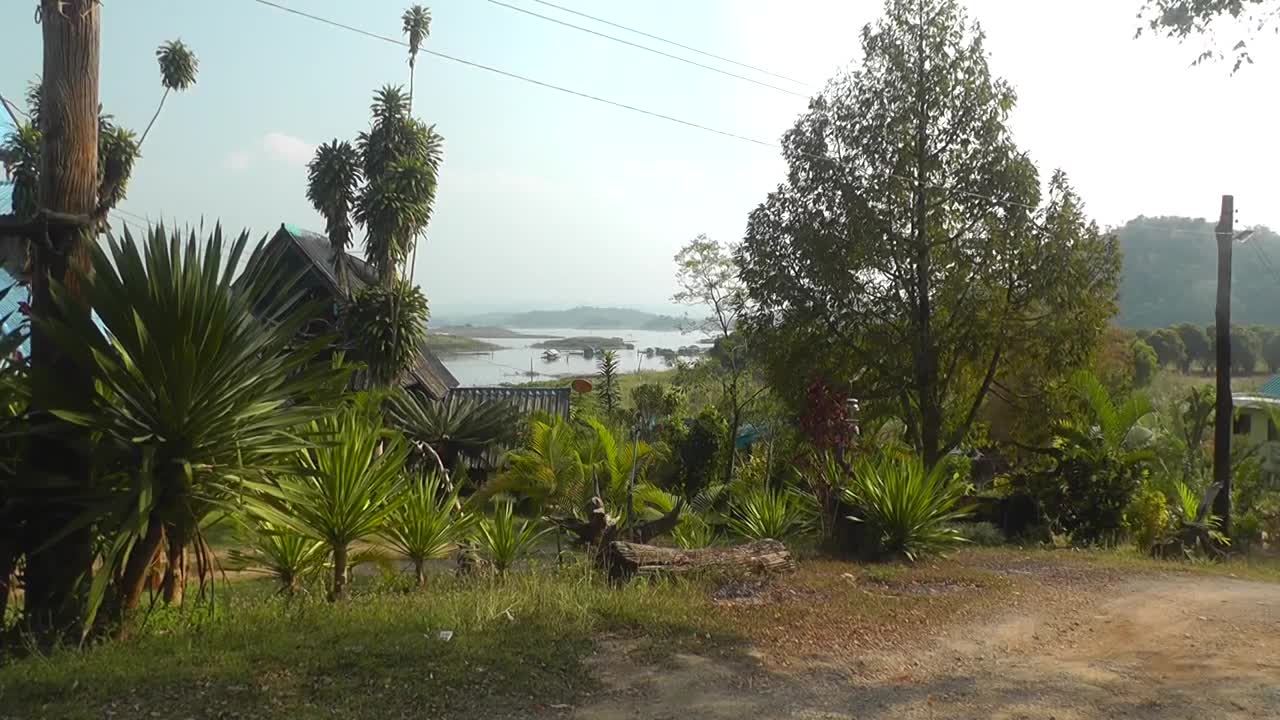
[
  {"x": 909, "y": 511},
  {"x": 769, "y": 513},
  {"x": 503, "y": 540},
  {"x": 982, "y": 534},
  {"x": 1145, "y": 363},
  {"x": 1147, "y": 519},
  {"x": 1247, "y": 531}
]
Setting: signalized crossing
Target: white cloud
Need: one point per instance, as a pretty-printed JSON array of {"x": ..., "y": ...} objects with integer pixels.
[
  {"x": 287, "y": 148},
  {"x": 238, "y": 160}
]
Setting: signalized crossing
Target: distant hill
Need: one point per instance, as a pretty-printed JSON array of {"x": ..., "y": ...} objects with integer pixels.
[
  {"x": 584, "y": 318},
  {"x": 1170, "y": 274}
]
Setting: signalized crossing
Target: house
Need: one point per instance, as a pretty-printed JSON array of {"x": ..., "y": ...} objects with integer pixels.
[
  {"x": 1256, "y": 424},
  {"x": 304, "y": 251}
]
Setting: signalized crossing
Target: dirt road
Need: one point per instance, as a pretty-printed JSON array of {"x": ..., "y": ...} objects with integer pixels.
[{"x": 1166, "y": 647}]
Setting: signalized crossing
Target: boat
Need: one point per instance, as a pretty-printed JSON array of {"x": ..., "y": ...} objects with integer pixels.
[{"x": 550, "y": 354}]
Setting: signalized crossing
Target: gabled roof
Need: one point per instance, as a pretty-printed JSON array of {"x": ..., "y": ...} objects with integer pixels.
[
  {"x": 1270, "y": 388},
  {"x": 430, "y": 373}
]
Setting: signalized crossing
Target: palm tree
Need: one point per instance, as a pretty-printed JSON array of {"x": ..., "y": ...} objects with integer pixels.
[
  {"x": 547, "y": 470},
  {"x": 178, "y": 68},
  {"x": 333, "y": 177},
  {"x": 195, "y": 390},
  {"x": 417, "y": 25},
  {"x": 343, "y": 490},
  {"x": 451, "y": 430}
]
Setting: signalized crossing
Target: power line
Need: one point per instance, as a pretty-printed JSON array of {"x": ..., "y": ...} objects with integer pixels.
[
  {"x": 671, "y": 42},
  {"x": 651, "y": 113},
  {"x": 677, "y": 58}
]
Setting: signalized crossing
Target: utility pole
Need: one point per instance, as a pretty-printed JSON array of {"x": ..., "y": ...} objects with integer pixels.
[
  {"x": 56, "y": 571},
  {"x": 1222, "y": 416}
]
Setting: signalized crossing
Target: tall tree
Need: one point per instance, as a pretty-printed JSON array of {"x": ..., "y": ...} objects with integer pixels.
[
  {"x": 387, "y": 184},
  {"x": 608, "y": 392},
  {"x": 1170, "y": 350},
  {"x": 333, "y": 177},
  {"x": 178, "y": 68},
  {"x": 910, "y": 255},
  {"x": 1197, "y": 343},
  {"x": 707, "y": 276},
  {"x": 416, "y": 26}
]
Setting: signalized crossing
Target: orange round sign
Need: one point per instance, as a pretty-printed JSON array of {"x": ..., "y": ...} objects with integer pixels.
[{"x": 582, "y": 386}]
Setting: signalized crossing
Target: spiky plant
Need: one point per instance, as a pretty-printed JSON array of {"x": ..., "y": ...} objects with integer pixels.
[
  {"x": 343, "y": 490},
  {"x": 503, "y": 540},
  {"x": 285, "y": 555},
  {"x": 21, "y": 153},
  {"x": 453, "y": 429},
  {"x": 770, "y": 513},
  {"x": 196, "y": 391},
  {"x": 607, "y": 390},
  {"x": 178, "y": 69},
  {"x": 429, "y": 524},
  {"x": 910, "y": 510}
]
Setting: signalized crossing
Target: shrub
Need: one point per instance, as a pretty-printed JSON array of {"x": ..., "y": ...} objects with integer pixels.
[
  {"x": 982, "y": 534},
  {"x": 1247, "y": 531},
  {"x": 427, "y": 525},
  {"x": 1145, "y": 363},
  {"x": 288, "y": 557},
  {"x": 1147, "y": 518},
  {"x": 910, "y": 511},
  {"x": 771, "y": 513},
  {"x": 693, "y": 531},
  {"x": 503, "y": 540}
]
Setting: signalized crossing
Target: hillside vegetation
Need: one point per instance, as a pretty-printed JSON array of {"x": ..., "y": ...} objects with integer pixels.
[{"x": 1170, "y": 274}]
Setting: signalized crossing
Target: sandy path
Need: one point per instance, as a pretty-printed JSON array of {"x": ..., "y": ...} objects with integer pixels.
[{"x": 1163, "y": 647}]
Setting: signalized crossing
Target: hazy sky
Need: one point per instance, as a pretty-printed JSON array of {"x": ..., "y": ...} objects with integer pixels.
[{"x": 548, "y": 200}]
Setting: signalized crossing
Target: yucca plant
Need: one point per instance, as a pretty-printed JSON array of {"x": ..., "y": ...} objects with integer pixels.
[
  {"x": 911, "y": 511},
  {"x": 285, "y": 555},
  {"x": 770, "y": 513},
  {"x": 503, "y": 539},
  {"x": 385, "y": 327},
  {"x": 198, "y": 387},
  {"x": 693, "y": 531},
  {"x": 428, "y": 524},
  {"x": 178, "y": 68},
  {"x": 343, "y": 490},
  {"x": 452, "y": 429}
]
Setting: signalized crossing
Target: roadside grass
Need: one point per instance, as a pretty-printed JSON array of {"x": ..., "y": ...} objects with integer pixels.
[
  {"x": 522, "y": 645},
  {"x": 518, "y": 644}
]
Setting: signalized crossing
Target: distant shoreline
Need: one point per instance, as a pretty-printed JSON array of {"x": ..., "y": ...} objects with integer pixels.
[{"x": 487, "y": 331}]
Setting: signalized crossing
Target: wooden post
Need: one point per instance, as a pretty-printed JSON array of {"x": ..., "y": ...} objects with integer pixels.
[
  {"x": 68, "y": 184},
  {"x": 1223, "y": 407}
]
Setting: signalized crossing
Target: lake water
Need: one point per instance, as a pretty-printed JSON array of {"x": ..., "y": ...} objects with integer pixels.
[{"x": 513, "y": 363}]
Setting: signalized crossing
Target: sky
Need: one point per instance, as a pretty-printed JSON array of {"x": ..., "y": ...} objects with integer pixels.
[{"x": 548, "y": 200}]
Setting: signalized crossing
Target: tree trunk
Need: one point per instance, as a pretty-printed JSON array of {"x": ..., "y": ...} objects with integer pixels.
[
  {"x": 175, "y": 571},
  {"x": 8, "y": 561},
  {"x": 68, "y": 183},
  {"x": 163, "y": 97},
  {"x": 762, "y": 557},
  {"x": 133, "y": 581},
  {"x": 926, "y": 361},
  {"x": 339, "y": 573},
  {"x": 420, "y": 572}
]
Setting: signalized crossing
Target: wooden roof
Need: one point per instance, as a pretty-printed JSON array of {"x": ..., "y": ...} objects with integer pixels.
[{"x": 429, "y": 372}]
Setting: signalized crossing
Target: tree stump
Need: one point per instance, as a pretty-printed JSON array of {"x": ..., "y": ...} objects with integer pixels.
[{"x": 762, "y": 557}]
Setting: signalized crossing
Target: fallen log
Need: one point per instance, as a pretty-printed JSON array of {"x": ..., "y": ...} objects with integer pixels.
[{"x": 762, "y": 557}]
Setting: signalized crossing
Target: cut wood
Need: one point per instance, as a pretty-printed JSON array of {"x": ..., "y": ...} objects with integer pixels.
[{"x": 761, "y": 557}]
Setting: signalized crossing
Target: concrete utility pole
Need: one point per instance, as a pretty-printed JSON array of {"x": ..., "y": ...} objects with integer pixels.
[{"x": 1222, "y": 416}]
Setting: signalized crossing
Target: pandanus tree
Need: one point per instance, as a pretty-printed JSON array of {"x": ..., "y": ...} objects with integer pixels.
[
  {"x": 195, "y": 392},
  {"x": 450, "y": 430},
  {"x": 385, "y": 183},
  {"x": 178, "y": 68},
  {"x": 417, "y": 25}
]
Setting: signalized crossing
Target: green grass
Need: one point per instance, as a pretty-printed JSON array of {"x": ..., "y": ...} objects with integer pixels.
[
  {"x": 457, "y": 344},
  {"x": 518, "y": 644},
  {"x": 1250, "y": 567}
]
